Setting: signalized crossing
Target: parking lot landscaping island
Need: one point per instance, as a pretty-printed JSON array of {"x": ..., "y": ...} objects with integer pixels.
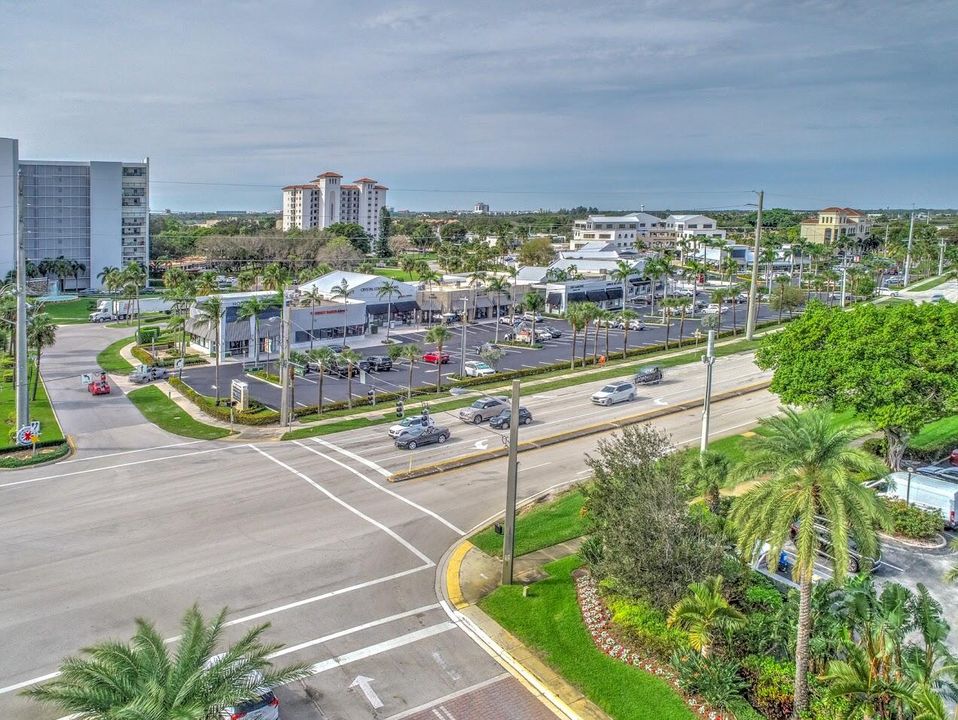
[{"x": 163, "y": 412}]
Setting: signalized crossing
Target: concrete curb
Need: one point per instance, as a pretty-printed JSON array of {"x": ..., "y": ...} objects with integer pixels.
[
  {"x": 940, "y": 542},
  {"x": 608, "y": 426}
]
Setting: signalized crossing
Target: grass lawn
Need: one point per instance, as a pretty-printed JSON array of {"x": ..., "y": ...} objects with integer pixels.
[
  {"x": 540, "y": 527},
  {"x": 162, "y": 411},
  {"x": 935, "y": 434},
  {"x": 929, "y": 283},
  {"x": 395, "y": 273},
  {"x": 549, "y": 621},
  {"x": 72, "y": 311},
  {"x": 145, "y": 319},
  {"x": 110, "y": 359},
  {"x": 40, "y": 409}
]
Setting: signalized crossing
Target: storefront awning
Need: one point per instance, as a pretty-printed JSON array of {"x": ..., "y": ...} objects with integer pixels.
[
  {"x": 597, "y": 295},
  {"x": 405, "y": 306},
  {"x": 554, "y": 299},
  {"x": 614, "y": 293},
  {"x": 575, "y": 297}
]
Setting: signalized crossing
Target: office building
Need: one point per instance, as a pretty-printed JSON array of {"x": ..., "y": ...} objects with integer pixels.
[
  {"x": 94, "y": 213},
  {"x": 835, "y": 224},
  {"x": 623, "y": 232},
  {"x": 693, "y": 227},
  {"x": 325, "y": 201}
]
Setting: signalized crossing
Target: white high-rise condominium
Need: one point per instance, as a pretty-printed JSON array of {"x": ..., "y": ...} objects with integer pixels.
[
  {"x": 326, "y": 201},
  {"x": 96, "y": 213}
]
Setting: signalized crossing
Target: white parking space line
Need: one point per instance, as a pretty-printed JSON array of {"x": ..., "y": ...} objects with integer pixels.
[
  {"x": 450, "y": 696},
  {"x": 342, "y": 451},
  {"x": 379, "y": 487},
  {"x": 128, "y": 452},
  {"x": 358, "y": 513},
  {"x": 354, "y": 629}
]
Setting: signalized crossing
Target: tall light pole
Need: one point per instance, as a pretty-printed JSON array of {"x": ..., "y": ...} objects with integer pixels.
[
  {"x": 709, "y": 359},
  {"x": 23, "y": 389},
  {"x": 753, "y": 286},
  {"x": 941, "y": 256},
  {"x": 462, "y": 341},
  {"x": 911, "y": 232},
  {"x": 844, "y": 281},
  {"x": 284, "y": 409},
  {"x": 512, "y": 482}
]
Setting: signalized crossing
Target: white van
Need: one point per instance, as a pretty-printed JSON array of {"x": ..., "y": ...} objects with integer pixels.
[{"x": 926, "y": 492}]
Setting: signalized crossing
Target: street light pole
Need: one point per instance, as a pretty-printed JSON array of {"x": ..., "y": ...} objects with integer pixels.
[
  {"x": 22, "y": 390},
  {"x": 911, "y": 232},
  {"x": 908, "y": 486},
  {"x": 753, "y": 286},
  {"x": 284, "y": 363},
  {"x": 941, "y": 256},
  {"x": 462, "y": 342},
  {"x": 844, "y": 279},
  {"x": 709, "y": 360},
  {"x": 512, "y": 482}
]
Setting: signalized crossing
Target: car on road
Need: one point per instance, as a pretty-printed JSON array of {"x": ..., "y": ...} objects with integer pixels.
[
  {"x": 613, "y": 393},
  {"x": 376, "y": 363},
  {"x": 148, "y": 373},
  {"x": 501, "y": 420},
  {"x": 450, "y": 317},
  {"x": 338, "y": 368},
  {"x": 936, "y": 297},
  {"x": 483, "y": 409},
  {"x": 648, "y": 375},
  {"x": 477, "y": 368},
  {"x": 435, "y": 357},
  {"x": 507, "y": 320},
  {"x": 412, "y": 438},
  {"x": 856, "y": 561},
  {"x": 413, "y": 421}
]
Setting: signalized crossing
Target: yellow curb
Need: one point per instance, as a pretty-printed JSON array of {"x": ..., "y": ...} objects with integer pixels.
[{"x": 453, "y": 586}]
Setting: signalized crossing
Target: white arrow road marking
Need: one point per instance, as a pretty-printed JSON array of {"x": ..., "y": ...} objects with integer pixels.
[
  {"x": 441, "y": 662},
  {"x": 482, "y": 444},
  {"x": 363, "y": 683},
  {"x": 660, "y": 401}
]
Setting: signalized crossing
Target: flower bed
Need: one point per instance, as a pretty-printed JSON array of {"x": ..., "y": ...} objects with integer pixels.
[{"x": 597, "y": 620}]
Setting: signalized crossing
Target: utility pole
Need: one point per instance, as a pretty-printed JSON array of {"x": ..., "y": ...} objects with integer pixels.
[
  {"x": 911, "y": 232},
  {"x": 753, "y": 287},
  {"x": 709, "y": 359},
  {"x": 284, "y": 409},
  {"x": 23, "y": 383},
  {"x": 512, "y": 482},
  {"x": 844, "y": 279},
  {"x": 462, "y": 342},
  {"x": 941, "y": 256}
]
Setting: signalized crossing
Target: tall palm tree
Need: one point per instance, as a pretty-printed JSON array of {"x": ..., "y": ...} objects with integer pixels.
[
  {"x": 533, "y": 302},
  {"x": 313, "y": 296},
  {"x": 682, "y": 305},
  {"x": 733, "y": 293},
  {"x": 668, "y": 305},
  {"x": 410, "y": 352},
  {"x": 810, "y": 475},
  {"x": 105, "y": 273},
  {"x": 623, "y": 269},
  {"x": 275, "y": 277},
  {"x": 389, "y": 289},
  {"x": 477, "y": 278},
  {"x": 134, "y": 278},
  {"x": 41, "y": 333},
  {"x": 342, "y": 292},
  {"x": 719, "y": 296},
  {"x": 695, "y": 268},
  {"x": 76, "y": 267},
  {"x": 206, "y": 283},
  {"x": 173, "y": 278},
  {"x": 626, "y": 316},
  {"x": 323, "y": 357},
  {"x": 704, "y": 613},
  {"x": 247, "y": 279},
  {"x": 587, "y": 311},
  {"x": 576, "y": 317},
  {"x": 438, "y": 335},
  {"x": 253, "y": 307},
  {"x": 656, "y": 269},
  {"x": 605, "y": 318},
  {"x": 430, "y": 278},
  {"x": 145, "y": 679},
  {"x": 498, "y": 286},
  {"x": 351, "y": 358},
  {"x": 210, "y": 313}
]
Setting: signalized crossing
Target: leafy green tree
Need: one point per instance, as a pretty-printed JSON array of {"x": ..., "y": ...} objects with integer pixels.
[
  {"x": 891, "y": 364},
  {"x": 576, "y": 314},
  {"x": 253, "y": 307},
  {"x": 382, "y": 248},
  {"x": 353, "y": 232},
  {"x": 107, "y": 269},
  {"x": 247, "y": 279},
  {"x": 323, "y": 356},
  {"x": 703, "y": 613},
  {"x": 810, "y": 475},
  {"x": 439, "y": 335},
  {"x": 498, "y": 286},
  {"x": 210, "y": 313},
  {"x": 206, "y": 283},
  {"x": 275, "y": 277},
  {"x": 41, "y": 334},
  {"x": 134, "y": 277},
  {"x": 536, "y": 252},
  {"x": 144, "y": 679},
  {"x": 453, "y": 232}
]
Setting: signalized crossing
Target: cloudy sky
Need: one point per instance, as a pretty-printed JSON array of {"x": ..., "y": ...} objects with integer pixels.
[{"x": 520, "y": 104}]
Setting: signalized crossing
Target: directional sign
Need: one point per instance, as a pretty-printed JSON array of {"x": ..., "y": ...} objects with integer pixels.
[
  {"x": 482, "y": 444},
  {"x": 25, "y": 435},
  {"x": 365, "y": 684},
  {"x": 86, "y": 378},
  {"x": 178, "y": 364}
]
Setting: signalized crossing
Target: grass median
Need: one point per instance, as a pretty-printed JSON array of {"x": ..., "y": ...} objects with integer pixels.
[
  {"x": 110, "y": 360},
  {"x": 540, "y": 526},
  {"x": 166, "y": 414},
  {"x": 549, "y": 622},
  {"x": 929, "y": 283},
  {"x": 71, "y": 312}
]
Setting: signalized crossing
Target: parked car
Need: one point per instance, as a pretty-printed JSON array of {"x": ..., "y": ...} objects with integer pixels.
[
  {"x": 477, "y": 368},
  {"x": 413, "y": 421},
  {"x": 928, "y": 493},
  {"x": 550, "y": 331},
  {"x": 936, "y": 297},
  {"x": 636, "y": 325},
  {"x": 148, "y": 373},
  {"x": 945, "y": 473},
  {"x": 435, "y": 358},
  {"x": 953, "y": 458},
  {"x": 450, "y": 317},
  {"x": 715, "y": 309},
  {"x": 482, "y": 409},
  {"x": 856, "y": 561},
  {"x": 339, "y": 368},
  {"x": 376, "y": 363},
  {"x": 648, "y": 375},
  {"x": 614, "y": 393},
  {"x": 501, "y": 420},
  {"x": 486, "y": 347},
  {"x": 265, "y": 706},
  {"x": 506, "y": 320},
  {"x": 412, "y": 438},
  {"x": 529, "y": 317}
]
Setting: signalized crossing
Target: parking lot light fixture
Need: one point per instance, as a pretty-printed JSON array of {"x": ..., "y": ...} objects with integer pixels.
[{"x": 910, "y": 470}]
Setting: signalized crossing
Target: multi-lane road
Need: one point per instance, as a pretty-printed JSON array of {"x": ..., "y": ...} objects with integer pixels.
[{"x": 309, "y": 536}]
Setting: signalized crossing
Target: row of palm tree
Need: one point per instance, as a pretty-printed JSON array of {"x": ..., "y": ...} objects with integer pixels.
[{"x": 127, "y": 281}]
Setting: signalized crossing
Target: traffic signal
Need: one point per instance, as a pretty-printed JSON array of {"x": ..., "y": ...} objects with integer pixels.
[{"x": 400, "y": 410}]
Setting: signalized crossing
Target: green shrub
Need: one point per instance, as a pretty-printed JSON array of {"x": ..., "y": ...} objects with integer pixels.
[
  {"x": 763, "y": 597},
  {"x": 914, "y": 522},
  {"x": 147, "y": 335},
  {"x": 876, "y": 446},
  {"x": 771, "y": 685},
  {"x": 645, "y": 627},
  {"x": 715, "y": 678},
  {"x": 256, "y": 415},
  {"x": 591, "y": 550}
]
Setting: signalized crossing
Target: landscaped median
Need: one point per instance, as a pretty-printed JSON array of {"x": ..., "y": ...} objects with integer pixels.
[
  {"x": 112, "y": 361},
  {"x": 163, "y": 412},
  {"x": 52, "y": 445}
]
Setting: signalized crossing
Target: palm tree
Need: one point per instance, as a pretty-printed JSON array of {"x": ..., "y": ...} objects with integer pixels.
[
  {"x": 703, "y": 613},
  {"x": 429, "y": 278},
  {"x": 41, "y": 333},
  {"x": 733, "y": 293},
  {"x": 350, "y": 357},
  {"x": 575, "y": 315},
  {"x": 410, "y": 353},
  {"x": 313, "y": 296},
  {"x": 952, "y": 574},
  {"x": 605, "y": 318},
  {"x": 695, "y": 268},
  {"x": 275, "y": 277},
  {"x": 655, "y": 269},
  {"x": 247, "y": 279},
  {"x": 343, "y": 291},
  {"x": 811, "y": 476},
  {"x": 719, "y": 297},
  {"x": 498, "y": 286},
  {"x": 623, "y": 269},
  {"x": 668, "y": 305},
  {"x": 626, "y": 316},
  {"x": 172, "y": 278},
  {"x": 707, "y": 473},
  {"x": 144, "y": 679},
  {"x": 134, "y": 278},
  {"x": 206, "y": 283},
  {"x": 587, "y": 312},
  {"x": 533, "y": 303},
  {"x": 477, "y": 278},
  {"x": 105, "y": 273},
  {"x": 210, "y": 313},
  {"x": 253, "y": 307},
  {"x": 439, "y": 335},
  {"x": 682, "y": 305},
  {"x": 323, "y": 357},
  {"x": 388, "y": 290}
]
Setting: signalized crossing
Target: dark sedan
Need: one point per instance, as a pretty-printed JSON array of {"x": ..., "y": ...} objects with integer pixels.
[
  {"x": 376, "y": 363},
  {"x": 413, "y": 437},
  {"x": 501, "y": 420}
]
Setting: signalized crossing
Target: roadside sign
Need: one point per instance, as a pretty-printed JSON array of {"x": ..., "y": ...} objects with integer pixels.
[
  {"x": 26, "y": 436},
  {"x": 362, "y": 376},
  {"x": 178, "y": 364},
  {"x": 86, "y": 378}
]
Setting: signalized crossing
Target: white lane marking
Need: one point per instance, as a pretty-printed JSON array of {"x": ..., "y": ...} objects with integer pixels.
[
  {"x": 451, "y": 696},
  {"x": 352, "y": 630},
  {"x": 120, "y": 465},
  {"x": 358, "y": 513},
  {"x": 533, "y": 467},
  {"x": 379, "y": 648},
  {"x": 342, "y": 451},
  {"x": 365, "y": 685},
  {"x": 254, "y": 616},
  {"x": 128, "y": 452},
  {"x": 379, "y": 487}
]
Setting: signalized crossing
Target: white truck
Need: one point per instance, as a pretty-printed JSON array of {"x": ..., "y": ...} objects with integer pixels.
[
  {"x": 923, "y": 491},
  {"x": 110, "y": 310}
]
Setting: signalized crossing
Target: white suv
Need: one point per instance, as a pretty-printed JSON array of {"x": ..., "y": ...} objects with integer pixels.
[
  {"x": 413, "y": 421},
  {"x": 614, "y": 393}
]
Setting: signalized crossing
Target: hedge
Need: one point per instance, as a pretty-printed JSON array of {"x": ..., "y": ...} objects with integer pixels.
[
  {"x": 913, "y": 522},
  {"x": 261, "y": 415},
  {"x": 147, "y": 358},
  {"x": 41, "y": 444}
]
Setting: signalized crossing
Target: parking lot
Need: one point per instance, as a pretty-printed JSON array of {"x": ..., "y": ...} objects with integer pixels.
[{"x": 558, "y": 350}]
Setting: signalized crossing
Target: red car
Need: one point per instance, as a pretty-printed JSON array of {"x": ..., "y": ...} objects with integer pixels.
[
  {"x": 954, "y": 457},
  {"x": 435, "y": 358}
]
